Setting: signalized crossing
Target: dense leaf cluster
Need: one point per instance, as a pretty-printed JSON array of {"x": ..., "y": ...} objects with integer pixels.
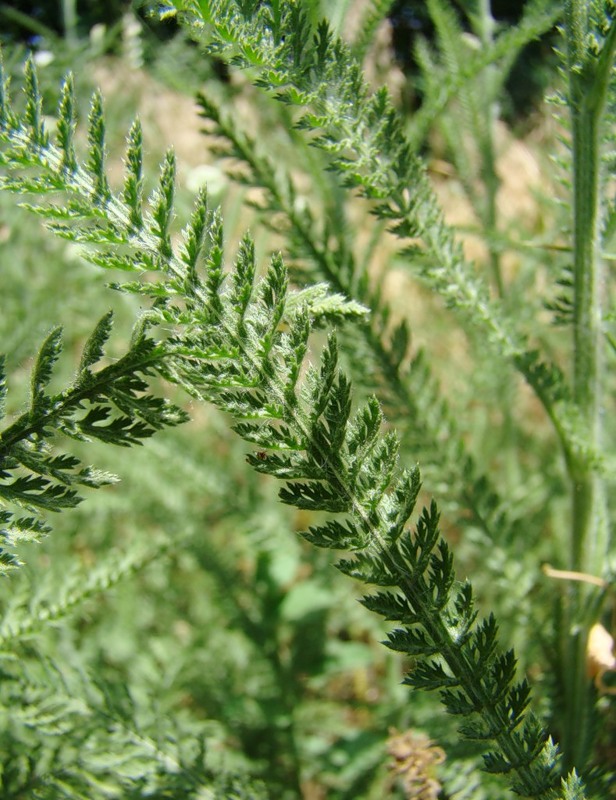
[
  {"x": 242, "y": 341},
  {"x": 239, "y": 343}
]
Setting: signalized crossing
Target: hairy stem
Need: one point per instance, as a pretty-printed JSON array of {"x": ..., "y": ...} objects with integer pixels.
[{"x": 589, "y": 531}]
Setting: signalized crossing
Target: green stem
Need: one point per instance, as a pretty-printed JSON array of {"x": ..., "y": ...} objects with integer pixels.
[
  {"x": 69, "y": 20},
  {"x": 588, "y": 80},
  {"x": 588, "y": 533},
  {"x": 490, "y": 178}
]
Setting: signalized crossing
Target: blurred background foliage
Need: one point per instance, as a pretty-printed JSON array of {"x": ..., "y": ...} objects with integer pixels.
[
  {"x": 182, "y": 609},
  {"x": 38, "y": 24}
]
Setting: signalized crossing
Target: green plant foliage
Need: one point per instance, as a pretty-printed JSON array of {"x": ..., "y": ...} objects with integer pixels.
[
  {"x": 229, "y": 350},
  {"x": 363, "y": 137},
  {"x": 239, "y": 339},
  {"x": 109, "y": 404},
  {"x": 406, "y": 386}
]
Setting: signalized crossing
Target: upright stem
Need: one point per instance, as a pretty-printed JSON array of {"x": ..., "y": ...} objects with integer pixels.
[
  {"x": 490, "y": 178},
  {"x": 587, "y": 548},
  {"x": 589, "y": 530},
  {"x": 69, "y": 20}
]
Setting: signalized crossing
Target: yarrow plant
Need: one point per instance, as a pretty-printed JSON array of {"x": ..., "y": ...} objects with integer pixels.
[{"x": 251, "y": 344}]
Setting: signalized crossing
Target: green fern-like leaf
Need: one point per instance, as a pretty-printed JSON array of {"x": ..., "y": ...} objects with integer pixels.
[
  {"x": 241, "y": 344},
  {"x": 408, "y": 390},
  {"x": 363, "y": 137},
  {"x": 109, "y": 404}
]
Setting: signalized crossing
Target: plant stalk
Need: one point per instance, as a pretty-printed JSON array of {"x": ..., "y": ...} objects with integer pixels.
[
  {"x": 488, "y": 157},
  {"x": 69, "y": 20},
  {"x": 589, "y": 530}
]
